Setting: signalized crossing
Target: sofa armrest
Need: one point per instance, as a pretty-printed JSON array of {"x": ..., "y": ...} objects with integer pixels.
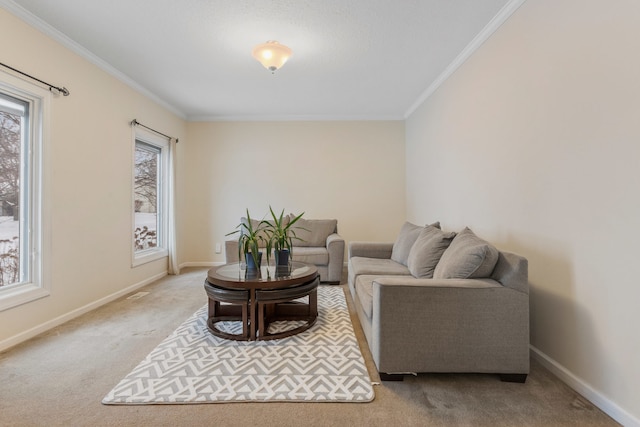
[
  {"x": 370, "y": 249},
  {"x": 410, "y": 281},
  {"x": 475, "y": 325}
]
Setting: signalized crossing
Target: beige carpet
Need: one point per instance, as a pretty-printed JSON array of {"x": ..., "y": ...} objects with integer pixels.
[{"x": 60, "y": 377}]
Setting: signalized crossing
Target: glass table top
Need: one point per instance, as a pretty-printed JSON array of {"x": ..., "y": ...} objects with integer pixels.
[{"x": 237, "y": 273}]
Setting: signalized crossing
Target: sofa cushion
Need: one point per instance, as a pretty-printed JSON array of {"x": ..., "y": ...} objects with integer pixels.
[
  {"x": 427, "y": 251},
  {"x": 364, "y": 292},
  {"x": 467, "y": 257},
  {"x": 313, "y": 232},
  {"x": 311, "y": 255},
  {"x": 406, "y": 238},
  {"x": 378, "y": 266}
]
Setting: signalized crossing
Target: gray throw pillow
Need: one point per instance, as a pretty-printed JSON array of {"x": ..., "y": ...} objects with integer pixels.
[
  {"x": 406, "y": 238},
  {"x": 313, "y": 232},
  {"x": 468, "y": 257},
  {"x": 427, "y": 251}
]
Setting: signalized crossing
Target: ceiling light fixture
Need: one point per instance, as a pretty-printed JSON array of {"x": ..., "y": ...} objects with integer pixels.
[{"x": 272, "y": 55}]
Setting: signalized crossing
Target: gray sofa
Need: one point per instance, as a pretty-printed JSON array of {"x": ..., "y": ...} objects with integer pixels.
[
  {"x": 318, "y": 243},
  {"x": 441, "y": 302}
]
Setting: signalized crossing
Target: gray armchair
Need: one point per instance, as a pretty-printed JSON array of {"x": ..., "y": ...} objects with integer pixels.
[{"x": 318, "y": 243}]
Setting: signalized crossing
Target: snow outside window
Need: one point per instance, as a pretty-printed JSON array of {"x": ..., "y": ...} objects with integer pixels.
[
  {"x": 149, "y": 197},
  {"x": 22, "y": 109}
]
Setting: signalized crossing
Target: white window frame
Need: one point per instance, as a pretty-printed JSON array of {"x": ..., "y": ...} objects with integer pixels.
[
  {"x": 35, "y": 226},
  {"x": 161, "y": 251}
]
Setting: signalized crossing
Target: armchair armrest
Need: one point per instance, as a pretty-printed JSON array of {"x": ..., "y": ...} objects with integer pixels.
[
  {"x": 335, "y": 247},
  {"x": 231, "y": 251},
  {"x": 370, "y": 249},
  {"x": 334, "y": 243}
]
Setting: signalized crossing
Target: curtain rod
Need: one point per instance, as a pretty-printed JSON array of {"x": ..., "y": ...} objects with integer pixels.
[
  {"x": 135, "y": 122},
  {"x": 63, "y": 90}
]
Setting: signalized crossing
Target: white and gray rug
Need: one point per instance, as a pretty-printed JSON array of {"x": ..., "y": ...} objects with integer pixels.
[{"x": 321, "y": 364}]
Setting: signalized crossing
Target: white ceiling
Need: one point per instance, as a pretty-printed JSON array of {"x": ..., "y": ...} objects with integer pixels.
[{"x": 352, "y": 59}]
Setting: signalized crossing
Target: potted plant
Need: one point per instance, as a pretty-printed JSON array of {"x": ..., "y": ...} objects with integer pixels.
[
  {"x": 280, "y": 236},
  {"x": 249, "y": 242}
]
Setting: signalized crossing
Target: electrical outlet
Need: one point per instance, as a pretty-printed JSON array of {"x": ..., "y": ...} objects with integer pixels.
[{"x": 218, "y": 248}]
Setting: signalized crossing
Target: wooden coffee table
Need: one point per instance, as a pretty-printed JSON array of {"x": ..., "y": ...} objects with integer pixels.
[{"x": 262, "y": 298}]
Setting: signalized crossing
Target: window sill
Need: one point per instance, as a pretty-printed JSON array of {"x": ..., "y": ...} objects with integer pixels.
[
  {"x": 144, "y": 257},
  {"x": 20, "y": 294}
]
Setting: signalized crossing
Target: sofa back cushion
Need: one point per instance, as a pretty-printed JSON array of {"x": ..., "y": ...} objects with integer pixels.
[
  {"x": 468, "y": 257},
  {"x": 427, "y": 251},
  {"x": 406, "y": 238},
  {"x": 313, "y": 232}
]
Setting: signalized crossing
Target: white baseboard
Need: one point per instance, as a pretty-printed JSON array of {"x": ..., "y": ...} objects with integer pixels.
[
  {"x": 594, "y": 396},
  {"x": 200, "y": 264},
  {"x": 37, "y": 330}
]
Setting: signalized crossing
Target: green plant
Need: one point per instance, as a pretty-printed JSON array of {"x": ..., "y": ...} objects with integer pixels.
[
  {"x": 281, "y": 235},
  {"x": 250, "y": 238}
]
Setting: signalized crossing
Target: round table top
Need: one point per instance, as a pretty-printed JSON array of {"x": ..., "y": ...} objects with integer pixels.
[{"x": 236, "y": 276}]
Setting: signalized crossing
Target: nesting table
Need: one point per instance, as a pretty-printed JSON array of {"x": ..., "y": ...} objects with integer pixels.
[{"x": 260, "y": 297}]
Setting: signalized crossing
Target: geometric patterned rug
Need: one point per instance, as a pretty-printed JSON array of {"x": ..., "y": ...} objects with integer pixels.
[{"x": 321, "y": 364}]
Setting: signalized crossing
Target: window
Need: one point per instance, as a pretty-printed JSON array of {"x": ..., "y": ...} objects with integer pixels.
[
  {"x": 22, "y": 108},
  {"x": 149, "y": 197},
  {"x": 14, "y": 117}
]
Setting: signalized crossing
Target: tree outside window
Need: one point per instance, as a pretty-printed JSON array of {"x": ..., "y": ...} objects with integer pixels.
[
  {"x": 146, "y": 186},
  {"x": 24, "y": 241},
  {"x": 11, "y": 135}
]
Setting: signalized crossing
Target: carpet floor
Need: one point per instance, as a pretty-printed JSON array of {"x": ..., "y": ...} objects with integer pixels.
[{"x": 60, "y": 377}]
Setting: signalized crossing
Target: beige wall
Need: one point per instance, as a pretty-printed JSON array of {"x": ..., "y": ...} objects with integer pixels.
[
  {"x": 351, "y": 171},
  {"x": 90, "y": 160},
  {"x": 535, "y": 144}
]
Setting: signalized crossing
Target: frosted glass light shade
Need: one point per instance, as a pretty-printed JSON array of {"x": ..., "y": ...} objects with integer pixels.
[{"x": 272, "y": 54}]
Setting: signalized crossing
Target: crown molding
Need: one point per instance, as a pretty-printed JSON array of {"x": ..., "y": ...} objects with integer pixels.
[
  {"x": 495, "y": 23},
  {"x": 294, "y": 118},
  {"x": 75, "y": 47}
]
